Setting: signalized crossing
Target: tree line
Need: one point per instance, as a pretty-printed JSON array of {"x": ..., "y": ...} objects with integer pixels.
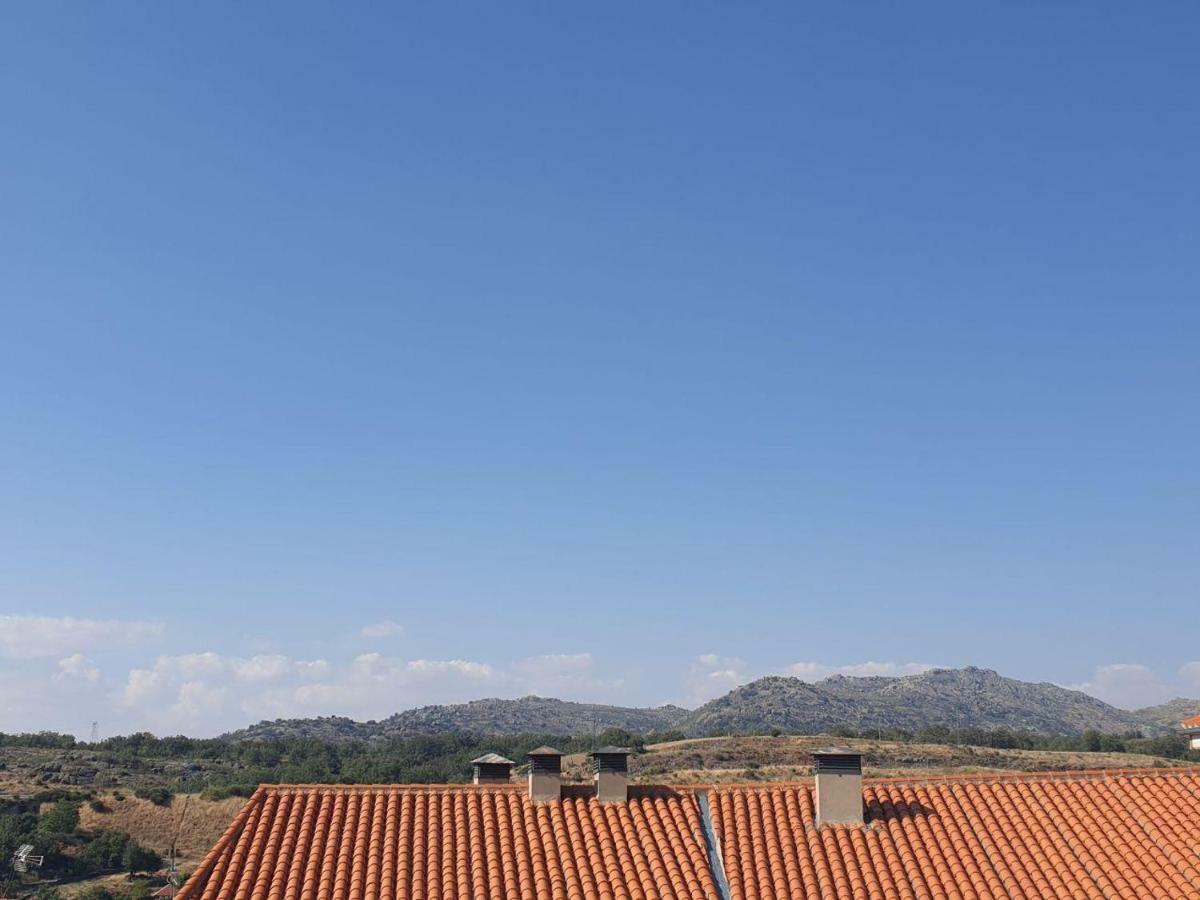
[{"x": 446, "y": 758}]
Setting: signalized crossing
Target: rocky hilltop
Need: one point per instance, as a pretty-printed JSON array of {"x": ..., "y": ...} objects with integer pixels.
[
  {"x": 1169, "y": 714},
  {"x": 526, "y": 715},
  {"x": 957, "y": 698}
]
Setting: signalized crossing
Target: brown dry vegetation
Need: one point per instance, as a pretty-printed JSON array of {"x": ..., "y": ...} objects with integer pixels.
[
  {"x": 734, "y": 759},
  {"x": 203, "y": 821},
  {"x": 114, "y": 884}
]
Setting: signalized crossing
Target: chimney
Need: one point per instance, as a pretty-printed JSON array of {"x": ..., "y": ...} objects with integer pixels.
[
  {"x": 492, "y": 768},
  {"x": 545, "y": 774},
  {"x": 611, "y": 765},
  {"x": 839, "y": 786}
]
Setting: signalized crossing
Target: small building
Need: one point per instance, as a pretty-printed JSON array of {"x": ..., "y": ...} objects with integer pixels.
[{"x": 1191, "y": 728}]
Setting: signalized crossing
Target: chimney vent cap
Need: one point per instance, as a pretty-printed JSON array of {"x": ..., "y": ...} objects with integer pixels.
[
  {"x": 544, "y": 751},
  {"x": 492, "y": 759},
  {"x": 611, "y": 751},
  {"x": 837, "y": 761}
]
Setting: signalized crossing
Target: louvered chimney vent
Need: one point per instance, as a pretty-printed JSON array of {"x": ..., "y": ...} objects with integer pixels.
[
  {"x": 492, "y": 768},
  {"x": 611, "y": 768},
  {"x": 545, "y": 774},
  {"x": 838, "y": 772}
]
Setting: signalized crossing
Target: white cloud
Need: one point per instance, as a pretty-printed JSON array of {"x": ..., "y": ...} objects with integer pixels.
[
  {"x": 141, "y": 686},
  {"x": 312, "y": 668},
  {"x": 145, "y": 686},
  {"x": 814, "y": 671},
  {"x": 77, "y": 666},
  {"x": 197, "y": 705},
  {"x": 712, "y": 675},
  {"x": 208, "y": 691},
  {"x": 1127, "y": 685},
  {"x": 426, "y": 668},
  {"x": 385, "y": 629},
  {"x": 38, "y": 637},
  {"x": 192, "y": 665},
  {"x": 1190, "y": 673},
  {"x": 554, "y": 664},
  {"x": 264, "y": 667}
]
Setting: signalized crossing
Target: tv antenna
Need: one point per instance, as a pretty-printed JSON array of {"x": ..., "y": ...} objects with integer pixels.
[
  {"x": 173, "y": 870},
  {"x": 24, "y": 859}
]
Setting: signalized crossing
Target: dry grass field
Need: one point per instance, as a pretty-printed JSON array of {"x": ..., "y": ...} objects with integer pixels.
[
  {"x": 737, "y": 759},
  {"x": 198, "y": 822}
]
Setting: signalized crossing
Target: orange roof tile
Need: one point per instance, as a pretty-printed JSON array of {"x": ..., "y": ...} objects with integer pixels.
[
  {"x": 1071, "y": 835},
  {"x": 461, "y": 842},
  {"x": 1193, "y": 722}
]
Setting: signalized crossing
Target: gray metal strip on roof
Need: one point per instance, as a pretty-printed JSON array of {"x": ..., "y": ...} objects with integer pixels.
[{"x": 715, "y": 861}]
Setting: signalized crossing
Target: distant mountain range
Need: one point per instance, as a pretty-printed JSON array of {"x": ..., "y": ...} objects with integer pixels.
[
  {"x": 527, "y": 715},
  {"x": 958, "y": 698}
]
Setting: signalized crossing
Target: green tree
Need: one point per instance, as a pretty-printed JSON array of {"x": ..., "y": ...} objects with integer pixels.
[
  {"x": 136, "y": 858},
  {"x": 61, "y": 818},
  {"x": 106, "y": 852},
  {"x": 15, "y": 829}
]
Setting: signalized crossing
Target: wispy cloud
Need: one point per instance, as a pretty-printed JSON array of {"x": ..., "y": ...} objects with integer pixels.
[
  {"x": 77, "y": 667},
  {"x": 1190, "y": 673},
  {"x": 1127, "y": 685},
  {"x": 208, "y": 692},
  {"x": 36, "y": 637},
  {"x": 380, "y": 630}
]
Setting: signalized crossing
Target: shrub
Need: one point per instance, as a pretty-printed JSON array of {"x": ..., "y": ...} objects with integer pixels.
[
  {"x": 61, "y": 818},
  {"x": 224, "y": 791},
  {"x": 136, "y": 858},
  {"x": 159, "y": 796},
  {"x": 98, "y": 805},
  {"x": 106, "y": 851}
]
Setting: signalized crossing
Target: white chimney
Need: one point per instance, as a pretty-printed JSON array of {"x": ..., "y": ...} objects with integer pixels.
[{"x": 839, "y": 786}]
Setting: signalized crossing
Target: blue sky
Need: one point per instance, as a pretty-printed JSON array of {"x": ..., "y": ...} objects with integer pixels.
[{"x": 357, "y": 359}]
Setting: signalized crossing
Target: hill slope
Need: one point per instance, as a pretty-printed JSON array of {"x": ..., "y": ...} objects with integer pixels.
[
  {"x": 957, "y": 698},
  {"x": 526, "y": 715},
  {"x": 969, "y": 697},
  {"x": 1168, "y": 714}
]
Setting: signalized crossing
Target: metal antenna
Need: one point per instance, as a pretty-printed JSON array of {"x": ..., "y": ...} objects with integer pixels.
[
  {"x": 23, "y": 859},
  {"x": 173, "y": 872}
]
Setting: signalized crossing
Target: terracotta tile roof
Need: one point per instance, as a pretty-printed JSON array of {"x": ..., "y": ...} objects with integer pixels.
[
  {"x": 1119, "y": 835},
  {"x": 1071, "y": 835},
  {"x": 1193, "y": 722},
  {"x": 458, "y": 843}
]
